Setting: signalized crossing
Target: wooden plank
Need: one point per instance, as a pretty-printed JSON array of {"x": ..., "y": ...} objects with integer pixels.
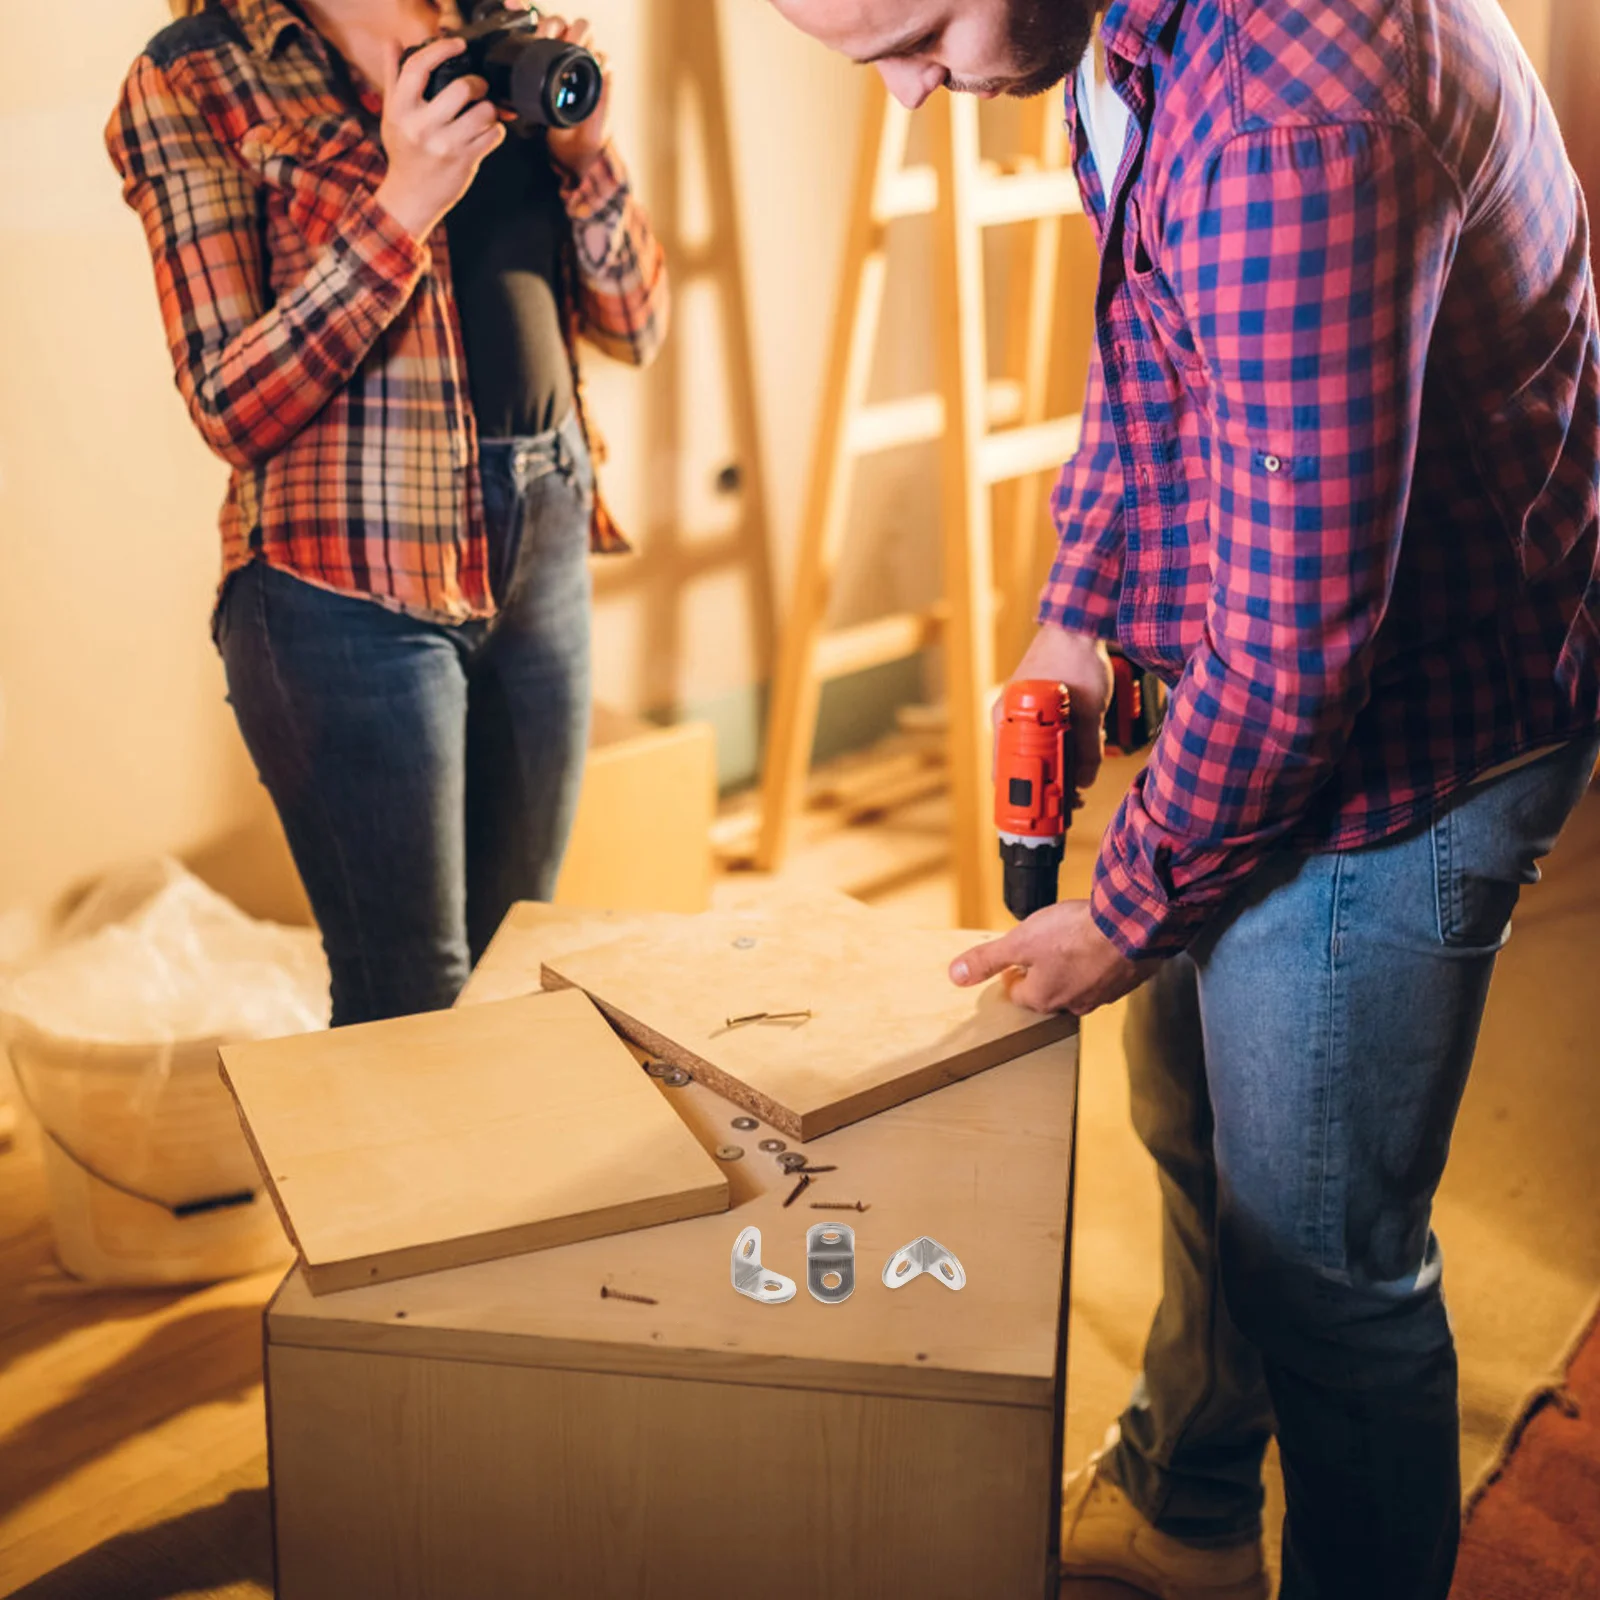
[
  {"x": 1020, "y": 452},
  {"x": 400, "y": 1475},
  {"x": 1022, "y": 506},
  {"x": 969, "y": 640},
  {"x": 870, "y": 644},
  {"x": 796, "y": 688},
  {"x": 408, "y": 1146},
  {"x": 534, "y": 932},
  {"x": 1026, "y": 197},
  {"x": 630, "y": 856},
  {"x": 886, "y": 1024},
  {"x": 984, "y": 1166}
]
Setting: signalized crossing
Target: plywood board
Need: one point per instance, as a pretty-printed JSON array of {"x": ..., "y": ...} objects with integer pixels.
[
  {"x": 534, "y": 932},
  {"x": 403, "y": 1147},
  {"x": 400, "y": 1475},
  {"x": 655, "y": 856},
  {"x": 885, "y": 1025},
  {"x": 984, "y": 1166}
]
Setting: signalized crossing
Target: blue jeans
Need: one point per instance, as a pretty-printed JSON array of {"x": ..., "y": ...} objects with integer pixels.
[
  {"x": 426, "y": 775},
  {"x": 1296, "y": 1076}
]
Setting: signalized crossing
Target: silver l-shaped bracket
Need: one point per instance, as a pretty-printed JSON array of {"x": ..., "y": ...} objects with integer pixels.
[
  {"x": 830, "y": 1261},
  {"x": 923, "y": 1255},
  {"x": 751, "y": 1278}
]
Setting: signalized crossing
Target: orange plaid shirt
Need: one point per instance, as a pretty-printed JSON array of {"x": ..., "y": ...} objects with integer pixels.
[{"x": 315, "y": 342}]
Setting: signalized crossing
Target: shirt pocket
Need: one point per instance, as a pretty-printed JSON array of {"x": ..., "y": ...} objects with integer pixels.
[
  {"x": 1154, "y": 294},
  {"x": 312, "y": 169}
]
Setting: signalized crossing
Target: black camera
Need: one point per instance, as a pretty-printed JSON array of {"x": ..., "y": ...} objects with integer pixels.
[{"x": 545, "y": 82}]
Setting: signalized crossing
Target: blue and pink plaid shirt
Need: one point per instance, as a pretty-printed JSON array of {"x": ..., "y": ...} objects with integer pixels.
[{"x": 1341, "y": 455}]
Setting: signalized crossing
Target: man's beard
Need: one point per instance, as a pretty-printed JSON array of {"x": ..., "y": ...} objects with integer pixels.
[{"x": 1048, "y": 40}]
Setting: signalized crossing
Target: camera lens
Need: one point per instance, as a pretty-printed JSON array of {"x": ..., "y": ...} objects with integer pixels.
[
  {"x": 550, "y": 82},
  {"x": 574, "y": 90},
  {"x": 568, "y": 91}
]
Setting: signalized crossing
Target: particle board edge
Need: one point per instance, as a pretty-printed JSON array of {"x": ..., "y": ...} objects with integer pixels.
[
  {"x": 441, "y": 1254},
  {"x": 937, "y": 1075},
  {"x": 646, "y": 1038},
  {"x": 262, "y": 1170},
  {"x": 955, "y": 1386}
]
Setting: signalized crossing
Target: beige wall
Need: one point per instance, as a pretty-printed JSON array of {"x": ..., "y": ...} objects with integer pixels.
[{"x": 114, "y": 736}]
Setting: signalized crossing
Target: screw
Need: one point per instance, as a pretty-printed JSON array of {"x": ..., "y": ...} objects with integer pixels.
[
  {"x": 799, "y": 1189},
  {"x": 815, "y": 1171},
  {"x": 839, "y": 1205},
  {"x": 617, "y": 1294}
]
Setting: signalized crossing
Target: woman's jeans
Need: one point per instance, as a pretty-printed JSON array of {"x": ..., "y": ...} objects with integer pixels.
[
  {"x": 1296, "y": 1076},
  {"x": 426, "y": 775}
]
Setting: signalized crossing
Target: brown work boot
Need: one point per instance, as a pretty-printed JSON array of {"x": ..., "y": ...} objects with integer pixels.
[{"x": 1103, "y": 1535}]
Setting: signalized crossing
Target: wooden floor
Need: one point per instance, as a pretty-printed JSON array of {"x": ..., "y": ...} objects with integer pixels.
[{"x": 122, "y": 1411}]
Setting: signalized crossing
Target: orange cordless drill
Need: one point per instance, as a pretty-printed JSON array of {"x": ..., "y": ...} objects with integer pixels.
[{"x": 1033, "y": 790}]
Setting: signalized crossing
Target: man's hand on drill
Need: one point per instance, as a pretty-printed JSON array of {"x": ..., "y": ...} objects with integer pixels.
[
  {"x": 1083, "y": 664},
  {"x": 1065, "y": 962}
]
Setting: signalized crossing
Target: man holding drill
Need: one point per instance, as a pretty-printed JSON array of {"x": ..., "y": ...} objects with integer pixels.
[{"x": 1338, "y": 486}]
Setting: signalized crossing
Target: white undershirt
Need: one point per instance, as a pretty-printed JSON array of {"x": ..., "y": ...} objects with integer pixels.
[{"x": 1103, "y": 114}]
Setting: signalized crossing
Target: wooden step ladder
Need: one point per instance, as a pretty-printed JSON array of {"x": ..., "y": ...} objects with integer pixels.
[{"x": 993, "y": 433}]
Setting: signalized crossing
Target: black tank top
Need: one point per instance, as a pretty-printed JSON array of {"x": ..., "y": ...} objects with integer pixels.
[{"x": 506, "y": 237}]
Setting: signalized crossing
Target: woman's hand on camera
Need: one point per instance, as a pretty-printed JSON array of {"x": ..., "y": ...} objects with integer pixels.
[
  {"x": 575, "y": 148},
  {"x": 434, "y": 146}
]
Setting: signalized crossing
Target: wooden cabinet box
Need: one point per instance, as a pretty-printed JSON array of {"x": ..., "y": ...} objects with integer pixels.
[{"x": 506, "y": 1430}]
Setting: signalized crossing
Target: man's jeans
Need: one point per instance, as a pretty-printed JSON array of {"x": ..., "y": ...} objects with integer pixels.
[
  {"x": 426, "y": 775},
  {"x": 1296, "y": 1076}
]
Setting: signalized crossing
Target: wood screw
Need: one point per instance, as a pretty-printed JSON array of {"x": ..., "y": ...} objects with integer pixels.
[
  {"x": 617, "y": 1294},
  {"x": 839, "y": 1205},
  {"x": 799, "y": 1189}
]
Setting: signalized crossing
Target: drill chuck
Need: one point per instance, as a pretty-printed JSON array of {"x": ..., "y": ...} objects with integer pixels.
[{"x": 1031, "y": 870}]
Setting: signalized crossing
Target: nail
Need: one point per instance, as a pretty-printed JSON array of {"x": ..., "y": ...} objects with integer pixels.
[
  {"x": 958, "y": 971},
  {"x": 617, "y": 1294}
]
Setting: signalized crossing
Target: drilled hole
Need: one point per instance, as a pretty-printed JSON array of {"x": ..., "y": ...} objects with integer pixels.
[
  {"x": 944, "y": 1267},
  {"x": 831, "y": 1280},
  {"x": 830, "y": 1238},
  {"x": 904, "y": 1267},
  {"x": 749, "y": 1247},
  {"x": 771, "y": 1287}
]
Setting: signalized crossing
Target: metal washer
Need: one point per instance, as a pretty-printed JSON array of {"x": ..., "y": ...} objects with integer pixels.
[
  {"x": 772, "y": 1146},
  {"x": 745, "y": 1124},
  {"x": 791, "y": 1160},
  {"x": 729, "y": 1152},
  {"x": 675, "y": 1077}
]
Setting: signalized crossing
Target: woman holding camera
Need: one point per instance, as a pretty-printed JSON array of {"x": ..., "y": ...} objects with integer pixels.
[{"x": 371, "y": 298}]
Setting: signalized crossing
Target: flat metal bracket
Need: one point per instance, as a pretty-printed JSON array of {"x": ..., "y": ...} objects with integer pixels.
[
  {"x": 751, "y": 1278},
  {"x": 924, "y": 1255},
  {"x": 830, "y": 1255}
]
